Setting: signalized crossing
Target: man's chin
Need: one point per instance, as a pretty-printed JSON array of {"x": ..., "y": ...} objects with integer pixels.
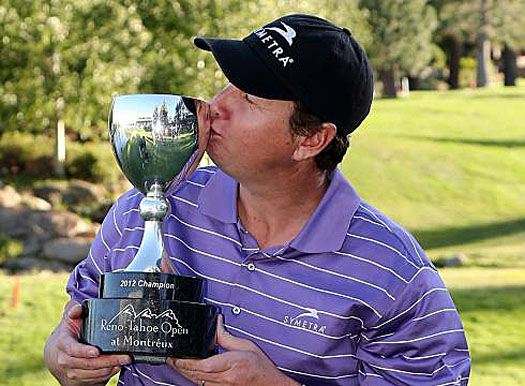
[
  {"x": 220, "y": 163},
  {"x": 213, "y": 156}
]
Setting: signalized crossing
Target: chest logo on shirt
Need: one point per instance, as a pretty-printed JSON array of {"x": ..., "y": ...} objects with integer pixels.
[{"x": 308, "y": 320}]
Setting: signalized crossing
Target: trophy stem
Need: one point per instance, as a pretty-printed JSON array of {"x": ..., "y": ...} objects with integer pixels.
[{"x": 152, "y": 256}]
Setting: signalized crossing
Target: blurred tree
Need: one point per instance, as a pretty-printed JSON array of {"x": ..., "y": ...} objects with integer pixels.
[
  {"x": 172, "y": 62},
  {"x": 457, "y": 24},
  {"x": 483, "y": 46},
  {"x": 401, "y": 38},
  {"x": 472, "y": 21},
  {"x": 507, "y": 24},
  {"x": 510, "y": 65},
  {"x": 62, "y": 59}
]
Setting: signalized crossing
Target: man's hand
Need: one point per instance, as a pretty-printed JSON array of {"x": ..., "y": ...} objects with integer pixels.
[
  {"x": 74, "y": 363},
  {"x": 243, "y": 364}
]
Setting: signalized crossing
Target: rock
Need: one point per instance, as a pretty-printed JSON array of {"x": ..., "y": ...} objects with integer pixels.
[
  {"x": 62, "y": 224},
  {"x": 115, "y": 189},
  {"x": 9, "y": 197},
  {"x": 25, "y": 224},
  {"x": 81, "y": 193},
  {"x": 68, "y": 250},
  {"x": 36, "y": 203},
  {"x": 81, "y": 197},
  {"x": 51, "y": 194},
  {"x": 456, "y": 260},
  {"x": 14, "y": 223},
  {"x": 32, "y": 247},
  {"x": 96, "y": 212},
  {"x": 52, "y": 239}
]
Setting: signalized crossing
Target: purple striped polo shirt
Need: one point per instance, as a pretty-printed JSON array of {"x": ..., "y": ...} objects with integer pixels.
[{"x": 352, "y": 300}]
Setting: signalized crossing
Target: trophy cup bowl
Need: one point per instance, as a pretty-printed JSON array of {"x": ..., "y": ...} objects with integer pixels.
[{"x": 148, "y": 310}]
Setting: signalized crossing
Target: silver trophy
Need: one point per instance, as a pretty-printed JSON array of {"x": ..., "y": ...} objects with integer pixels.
[{"x": 148, "y": 310}]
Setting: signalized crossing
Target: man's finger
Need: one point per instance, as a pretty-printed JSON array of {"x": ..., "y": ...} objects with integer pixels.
[
  {"x": 215, "y": 364},
  {"x": 210, "y": 379},
  {"x": 102, "y": 362},
  {"x": 92, "y": 376},
  {"x": 76, "y": 349},
  {"x": 187, "y": 364}
]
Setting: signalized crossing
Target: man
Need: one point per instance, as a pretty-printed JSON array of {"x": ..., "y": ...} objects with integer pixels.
[{"x": 315, "y": 286}]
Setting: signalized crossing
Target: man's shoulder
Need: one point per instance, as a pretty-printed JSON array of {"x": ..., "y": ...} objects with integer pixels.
[
  {"x": 128, "y": 200},
  {"x": 202, "y": 175},
  {"x": 376, "y": 237},
  {"x": 199, "y": 178},
  {"x": 383, "y": 254},
  {"x": 190, "y": 189}
]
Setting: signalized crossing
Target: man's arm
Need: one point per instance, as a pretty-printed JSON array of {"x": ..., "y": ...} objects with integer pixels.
[
  {"x": 73, "y": 363},
  {"x": 244, "y": 363},
  {"x": 419, "y": 341},
  {"x": 70, "y": 361}
]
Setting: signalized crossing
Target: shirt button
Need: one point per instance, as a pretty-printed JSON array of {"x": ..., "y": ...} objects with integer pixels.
[
  {"x": 236, "y": 310},
  {"x": 251, "y": 267}
]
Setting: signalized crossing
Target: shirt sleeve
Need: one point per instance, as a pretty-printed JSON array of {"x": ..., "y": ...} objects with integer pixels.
[
  {"x": 83, "y": 281},
  {"x": 419, "y": 341}
]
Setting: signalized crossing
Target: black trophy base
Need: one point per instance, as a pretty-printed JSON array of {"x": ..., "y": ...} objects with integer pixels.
[{"x": 139, "y": 321}]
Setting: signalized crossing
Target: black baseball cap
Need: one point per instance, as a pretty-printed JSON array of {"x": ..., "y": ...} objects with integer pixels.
[{"x": 301, "y": 58}]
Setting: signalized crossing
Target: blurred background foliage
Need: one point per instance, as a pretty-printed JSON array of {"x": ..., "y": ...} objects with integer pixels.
[{"x": 63, "y": 59}]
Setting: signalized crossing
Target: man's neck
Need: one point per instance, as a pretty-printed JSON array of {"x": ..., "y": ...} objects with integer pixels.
[{"x": 275, "y": 211}]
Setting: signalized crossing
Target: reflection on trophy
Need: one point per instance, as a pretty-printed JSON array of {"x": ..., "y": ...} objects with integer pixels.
[{"x": 148, "y": 310}]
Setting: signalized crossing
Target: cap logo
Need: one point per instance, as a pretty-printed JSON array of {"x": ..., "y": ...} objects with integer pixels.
[
  {"x": 273, "y": 46},
  {"x": 289, "y": 34}
]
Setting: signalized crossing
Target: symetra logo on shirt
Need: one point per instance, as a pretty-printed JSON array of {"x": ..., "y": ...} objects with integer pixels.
[
  {"x": 307, "y": 320},
  {"x": 288, "y": 33}
]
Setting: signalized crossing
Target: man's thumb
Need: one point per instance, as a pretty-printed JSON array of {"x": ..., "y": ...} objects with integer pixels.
[
  {"x": 229, "y": 342},
  {"x": 74, "y": 311}
]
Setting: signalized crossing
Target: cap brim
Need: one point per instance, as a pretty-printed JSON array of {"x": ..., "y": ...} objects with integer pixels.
[{"x": 244, "y": 69}]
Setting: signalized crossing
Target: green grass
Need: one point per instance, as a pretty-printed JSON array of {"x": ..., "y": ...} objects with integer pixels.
[
  {"x": 450, "y": 167},
  {"x": 25, "y": 329},
  {"x": 491, "y": 302}
]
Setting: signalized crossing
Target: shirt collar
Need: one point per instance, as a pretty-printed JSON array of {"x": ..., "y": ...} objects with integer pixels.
[
  {"x": 218, "y": 199},
  {"x": 324, "y": 231}
]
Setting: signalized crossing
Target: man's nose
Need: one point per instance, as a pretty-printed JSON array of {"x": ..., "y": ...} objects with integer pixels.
[
  {"x": 218, "y": 105},
  {"x": 214, "y": 111},
  {"x": 215, "y": 106}
]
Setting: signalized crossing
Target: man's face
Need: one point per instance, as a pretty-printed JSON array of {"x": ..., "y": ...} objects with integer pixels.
[{"x": 250, "y": 136}]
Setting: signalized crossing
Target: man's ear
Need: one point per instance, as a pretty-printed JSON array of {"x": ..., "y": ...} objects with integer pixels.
[{"x": 309, "y": 147}]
